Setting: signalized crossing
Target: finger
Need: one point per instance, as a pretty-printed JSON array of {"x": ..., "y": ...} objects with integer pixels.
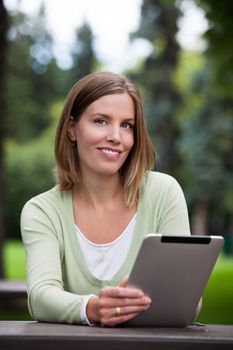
[
  {"x": 133, "y": 309},
  {"x": 118, "y": 312},
  {"x": 120, "y": 292},
  {"x": 123, "y": 282},
  {"x": 123, "y": 311},
  {"x": 113, "y": 321},
  {"x": 123, "y": 302}
]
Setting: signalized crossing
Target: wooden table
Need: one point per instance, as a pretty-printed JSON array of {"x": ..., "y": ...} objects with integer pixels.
[
  {"x": 13, "y": 295},
  {"x": 27, "y": 335},
  {"x": 12, "y": 289}
]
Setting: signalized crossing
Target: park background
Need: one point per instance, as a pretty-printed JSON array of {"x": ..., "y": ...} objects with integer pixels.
[{"x": 187, "y": 99}]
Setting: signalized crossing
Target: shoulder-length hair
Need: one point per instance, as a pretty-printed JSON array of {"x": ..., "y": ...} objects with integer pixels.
[{"x": 142, "y": 155}]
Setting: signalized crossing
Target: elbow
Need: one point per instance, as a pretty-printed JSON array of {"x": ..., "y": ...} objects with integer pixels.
[
  {"x": 39, "y": 305},
  {"x": 34, "y": 306}
]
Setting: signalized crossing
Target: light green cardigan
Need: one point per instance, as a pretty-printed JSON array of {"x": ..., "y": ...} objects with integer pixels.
[{"x": 57, "y": 275}]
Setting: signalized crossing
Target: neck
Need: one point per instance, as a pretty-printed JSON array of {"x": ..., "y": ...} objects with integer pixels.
[{"x": 100, "y": 190}]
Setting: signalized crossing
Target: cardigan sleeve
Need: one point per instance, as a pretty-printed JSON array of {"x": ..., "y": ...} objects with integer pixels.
[
  {"x": 173, "y": 216},
  {"x": 47, "y": 299}
]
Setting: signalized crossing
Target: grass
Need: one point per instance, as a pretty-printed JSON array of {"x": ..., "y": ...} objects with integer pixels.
[
  {"x": 14, "y": 261},
  {"x": 217, "y": 306},
  {"x": 14, "y": 264}
]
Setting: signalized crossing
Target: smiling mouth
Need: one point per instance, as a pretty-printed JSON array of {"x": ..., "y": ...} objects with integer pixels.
[{"x": 109, "y": 151}]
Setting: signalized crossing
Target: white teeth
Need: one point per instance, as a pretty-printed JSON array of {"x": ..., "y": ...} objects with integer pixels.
[{"x": 108, "y": 151}]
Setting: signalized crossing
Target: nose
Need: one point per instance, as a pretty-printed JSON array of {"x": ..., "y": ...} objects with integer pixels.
[{"x": 114, "y": 134}]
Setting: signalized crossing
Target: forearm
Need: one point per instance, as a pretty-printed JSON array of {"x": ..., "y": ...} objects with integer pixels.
[{"x": 49, "y": 303}]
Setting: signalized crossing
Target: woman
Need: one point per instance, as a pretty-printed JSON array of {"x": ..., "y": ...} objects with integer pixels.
[{"x": 82, "y": 236}]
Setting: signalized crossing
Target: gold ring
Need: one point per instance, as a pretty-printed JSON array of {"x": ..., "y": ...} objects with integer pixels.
[{"x": 118, "y": 311}]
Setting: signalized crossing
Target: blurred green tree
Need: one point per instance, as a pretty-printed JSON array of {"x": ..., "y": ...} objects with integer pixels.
[
  {"x": 219, "y": 36},
  {"x": 35, "y": 86},
  {"x": 206, "y": 146},
  {"x": 29, "y": 170},
  {"x": 206, "y": 142},
  {"x": 34, "y": 83},
  {"x": 84, "y": 60},
  {"x": 191, "y": 125},
  {"x": 158, "y": 26}
]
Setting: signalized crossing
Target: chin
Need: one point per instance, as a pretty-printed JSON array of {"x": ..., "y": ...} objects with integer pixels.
[{"x": 109, "y": 172}]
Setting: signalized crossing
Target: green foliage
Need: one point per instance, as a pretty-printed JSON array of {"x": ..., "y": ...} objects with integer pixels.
[
  {"x": 34, "y": 87},
  {"x": 33, "y": 80},
  {"x": 219, "y": 36},
  {"x": 205, "y": 147},
  {"x": 189, "y": 108},
  {"x": 161, "y": 97},
  {"x": 83, "y": 54},
  {"x": 189, "y": 64},
  {"x": 29, "y": 169}
]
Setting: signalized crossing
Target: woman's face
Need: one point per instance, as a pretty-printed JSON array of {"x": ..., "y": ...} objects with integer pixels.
[{"x": 104, "y": 134}]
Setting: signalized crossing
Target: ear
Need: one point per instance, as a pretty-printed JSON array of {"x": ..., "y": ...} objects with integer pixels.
[{"x": 71, "y": 129}]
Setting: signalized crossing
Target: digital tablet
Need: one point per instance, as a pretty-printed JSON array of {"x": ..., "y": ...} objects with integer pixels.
[{"x": 173, "y": 271}]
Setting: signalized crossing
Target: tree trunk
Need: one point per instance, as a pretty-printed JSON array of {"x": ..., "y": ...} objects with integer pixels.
[
  {"x": 199, "y": 221},
  {"x": 3, "y": 48}
]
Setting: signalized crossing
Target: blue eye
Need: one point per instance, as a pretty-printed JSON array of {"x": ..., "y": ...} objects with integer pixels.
[
  {"x": 126, "y": 125},
  {"x": 100, "y": 121}
]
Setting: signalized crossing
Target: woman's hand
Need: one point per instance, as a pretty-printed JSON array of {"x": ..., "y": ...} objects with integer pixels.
[{"x": 116, "y": 304}]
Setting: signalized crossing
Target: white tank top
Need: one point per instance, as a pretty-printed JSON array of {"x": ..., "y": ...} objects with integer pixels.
[{"x": 104, "y": 260}]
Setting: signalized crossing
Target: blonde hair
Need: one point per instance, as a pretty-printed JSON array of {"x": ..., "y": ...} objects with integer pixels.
[{"x": 142, "y": 155}]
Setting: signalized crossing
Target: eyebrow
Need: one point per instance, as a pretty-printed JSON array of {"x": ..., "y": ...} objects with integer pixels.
[{"x": 107, "y": 116}]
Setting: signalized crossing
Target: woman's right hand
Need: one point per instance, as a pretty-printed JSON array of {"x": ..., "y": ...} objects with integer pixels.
[{"x": 116, "y": 305}]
